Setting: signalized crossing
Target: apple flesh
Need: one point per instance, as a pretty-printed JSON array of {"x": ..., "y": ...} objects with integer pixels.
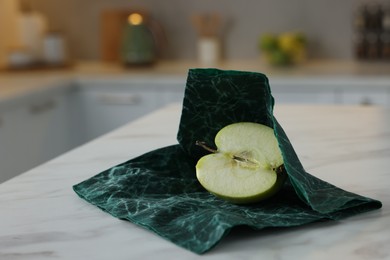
[{"x": 247, "y": 167}]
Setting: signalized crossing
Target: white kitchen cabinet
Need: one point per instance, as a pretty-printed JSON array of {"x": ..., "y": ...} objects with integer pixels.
[
  {"x": 337, "y": 90},
  {"x": 303, "y": 91},
  {"x": 305, "y": 97},
  {"x": 48, "y": 123},
  {"x": 34, "y": 130},
  {"x": 109, "y": 103},
  {"x": 366, "y": 98},
  {"x": 9, "y": 165},
  {"x": 366, "y": 92},
  {"x": 105, "y": 110}
]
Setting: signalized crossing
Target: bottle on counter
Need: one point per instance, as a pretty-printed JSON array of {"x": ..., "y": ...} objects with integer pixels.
[
  {"x": 372, "y": 25},
  {"x": 360, "y": 18},
  {"x": 375, "y": 12},
  {"x": 386, "y": 19},
  {"x": 208, "y": 27},
  {"x": 32, "y": 27},
  {"x": 54, "y": 49},
  {"x": 373, "y": 46},
  {"x": 361, "y": 46},
  {"x": 386, "y": 46}
]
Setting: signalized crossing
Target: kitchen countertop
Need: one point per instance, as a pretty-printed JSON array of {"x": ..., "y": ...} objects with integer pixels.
[
  {"x": 15, "y": 84},
  {"x": 311, "y": 68},
  {"x": 349, "y": 146}
]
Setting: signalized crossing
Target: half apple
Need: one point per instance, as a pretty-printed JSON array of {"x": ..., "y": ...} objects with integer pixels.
[{"x": 247, "y": 166}]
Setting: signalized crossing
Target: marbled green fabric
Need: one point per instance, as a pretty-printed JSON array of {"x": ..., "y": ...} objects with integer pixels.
[
  {"x": 159, "y": 190},
  {"x": 214, "y": 99}
]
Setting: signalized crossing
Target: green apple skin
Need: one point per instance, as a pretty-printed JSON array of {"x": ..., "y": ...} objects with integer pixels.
[{"x": 246, "y": 168}]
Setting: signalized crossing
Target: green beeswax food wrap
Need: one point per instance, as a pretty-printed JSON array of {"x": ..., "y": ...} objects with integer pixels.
[{"x": 159, "y": 190}]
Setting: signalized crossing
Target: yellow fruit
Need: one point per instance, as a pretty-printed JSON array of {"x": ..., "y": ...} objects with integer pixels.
[
  {"x": 279, "y": 57},
  {"x": 291, "y": 42},
  {"x": 298, "y": 56},
  {"x": 268, "y": 42},
  {"x": 286, "y": 48}
]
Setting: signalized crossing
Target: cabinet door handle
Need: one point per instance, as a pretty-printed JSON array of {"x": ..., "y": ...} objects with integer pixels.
[
  {"x": 125, "y": 100},
  {"x": 43, "y": 107},
  {"x": 366, "y": 101}
]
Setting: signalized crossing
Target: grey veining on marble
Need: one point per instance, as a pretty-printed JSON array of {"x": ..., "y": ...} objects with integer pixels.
[{"x": 41, "y": 218}]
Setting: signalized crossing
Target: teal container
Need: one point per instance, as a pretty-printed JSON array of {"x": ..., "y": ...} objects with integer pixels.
[{"x": 138, "y": 45}]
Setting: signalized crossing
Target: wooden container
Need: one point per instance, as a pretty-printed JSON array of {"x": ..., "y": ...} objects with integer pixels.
[{"x": 111, "y": 30}]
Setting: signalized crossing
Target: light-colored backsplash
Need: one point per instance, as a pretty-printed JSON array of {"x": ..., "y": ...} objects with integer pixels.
[{"x": 327, "y": 24}]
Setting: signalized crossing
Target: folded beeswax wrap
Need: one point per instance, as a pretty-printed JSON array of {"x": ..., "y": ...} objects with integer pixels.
[{"x": 159, "y": 190}]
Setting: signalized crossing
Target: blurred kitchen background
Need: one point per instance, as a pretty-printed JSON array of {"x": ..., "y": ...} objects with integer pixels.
[
  {"x": 73, "y": 70},
  {"x": 330, "y": 26}
]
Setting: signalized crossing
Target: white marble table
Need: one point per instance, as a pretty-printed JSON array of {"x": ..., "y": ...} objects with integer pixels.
[{"x": 42, "y": 218}]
